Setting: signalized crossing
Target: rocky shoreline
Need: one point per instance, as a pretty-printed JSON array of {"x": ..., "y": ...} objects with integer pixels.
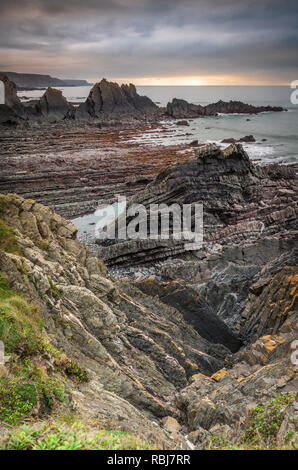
[
  {"x": 73, "y": 158},
  {"x": 179, "y": 347},
  {"x": 108, "y": 101}
]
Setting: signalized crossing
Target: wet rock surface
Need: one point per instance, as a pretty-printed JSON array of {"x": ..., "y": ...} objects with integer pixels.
[
  {"x": 247, "y": 139},
  {"x": 73, "y": 167}
]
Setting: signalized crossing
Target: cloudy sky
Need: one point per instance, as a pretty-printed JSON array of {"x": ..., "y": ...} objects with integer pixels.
[{"x": 159, "y": 42}]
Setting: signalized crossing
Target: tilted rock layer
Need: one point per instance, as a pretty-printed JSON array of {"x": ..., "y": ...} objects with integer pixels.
[{"x": 249, "y": 211}]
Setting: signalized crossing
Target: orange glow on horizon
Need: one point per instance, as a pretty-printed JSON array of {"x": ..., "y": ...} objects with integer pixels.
[{"x": 210, "y": 80}]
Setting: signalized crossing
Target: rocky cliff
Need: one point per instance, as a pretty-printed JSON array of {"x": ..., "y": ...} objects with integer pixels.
[
  {"x": 137, "y": 352},
  {"x": 135, "y": 357}
]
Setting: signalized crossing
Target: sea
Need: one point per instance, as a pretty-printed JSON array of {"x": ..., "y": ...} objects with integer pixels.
[{"x": 276, "y": 134}]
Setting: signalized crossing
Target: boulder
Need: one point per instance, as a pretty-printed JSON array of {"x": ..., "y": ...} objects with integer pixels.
[{"x": 182, "y": 123}]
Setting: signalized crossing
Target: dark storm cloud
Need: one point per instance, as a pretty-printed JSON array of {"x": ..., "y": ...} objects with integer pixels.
[{"x": 137, "y": 38}]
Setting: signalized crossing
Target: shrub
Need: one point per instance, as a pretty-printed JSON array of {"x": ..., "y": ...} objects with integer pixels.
[
  {"x": 265, "y": 420},
  {"x": 72, "y": 439},
  {"x": 16, "y": 399}
]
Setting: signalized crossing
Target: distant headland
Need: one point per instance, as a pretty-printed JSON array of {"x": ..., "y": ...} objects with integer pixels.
[{"x": 32, "y": 81}]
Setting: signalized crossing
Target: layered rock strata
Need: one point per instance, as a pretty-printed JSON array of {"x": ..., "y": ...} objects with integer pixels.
[
  {"x": 249, "y": 212},
  {"x": 72, "y": 168}
]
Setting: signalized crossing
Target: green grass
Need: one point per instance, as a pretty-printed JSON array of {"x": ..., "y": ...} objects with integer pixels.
[
  {"x": 8, "y": 240},
  {"x": 20, "y": 323},
  {"x": 29, "y": 387},
  {"x": 76, "y": 438},
  {"x": 28, "y": 384}
]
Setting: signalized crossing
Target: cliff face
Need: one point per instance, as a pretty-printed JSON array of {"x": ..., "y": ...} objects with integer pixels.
[
  {"x": 137, "y": 352},
  {"x": 25, "y": 81}
]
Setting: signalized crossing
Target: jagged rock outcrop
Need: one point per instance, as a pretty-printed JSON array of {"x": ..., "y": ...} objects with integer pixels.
[
  {"x": 11, "y": 98},
  {"x": 53, "y": 106},
  {"x": 179, "y": 108},
  {"x": 236, "y": 290},
  {"x": 250, "y": 212},
  {"x": 106, "y": 100},
  {"x": 109, "y": 100}
]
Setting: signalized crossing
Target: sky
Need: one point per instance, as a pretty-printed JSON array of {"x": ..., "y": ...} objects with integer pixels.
[{"x": 153, "y": 42}]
